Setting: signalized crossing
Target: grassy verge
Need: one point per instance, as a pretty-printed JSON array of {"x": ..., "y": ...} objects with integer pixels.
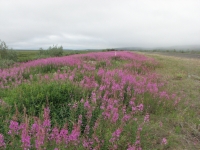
[{"x": 181, "y": 76}]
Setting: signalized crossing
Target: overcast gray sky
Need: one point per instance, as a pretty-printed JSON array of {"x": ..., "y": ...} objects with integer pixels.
[{"x": 80, "y": 24}]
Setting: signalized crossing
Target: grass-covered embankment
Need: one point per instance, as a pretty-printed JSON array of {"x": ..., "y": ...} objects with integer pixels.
[{"x": 102, "y": 100}]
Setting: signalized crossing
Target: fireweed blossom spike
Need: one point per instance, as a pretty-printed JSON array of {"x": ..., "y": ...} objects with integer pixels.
[{"x": 2, "y": 142}]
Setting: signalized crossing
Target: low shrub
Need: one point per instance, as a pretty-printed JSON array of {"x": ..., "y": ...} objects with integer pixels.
[
  {"x": 5, "y": 63},
  {"x": 6, "y": 53},
  {"x": 52, "y": 51}
]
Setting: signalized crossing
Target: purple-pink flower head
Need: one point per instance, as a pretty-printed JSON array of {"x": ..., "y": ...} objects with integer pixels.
[
  {"x": 2, "y": 143},
  {"x": 14, "y": 127},
  {"x": 164, "y": 141},
  {"x": 146, "y": 118}
]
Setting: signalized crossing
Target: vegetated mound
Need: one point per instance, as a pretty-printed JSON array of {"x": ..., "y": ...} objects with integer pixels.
[{"x": 96, "y": 100}]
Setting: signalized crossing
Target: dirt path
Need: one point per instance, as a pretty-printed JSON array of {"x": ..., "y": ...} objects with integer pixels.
[{"x": 178, "y": 54}]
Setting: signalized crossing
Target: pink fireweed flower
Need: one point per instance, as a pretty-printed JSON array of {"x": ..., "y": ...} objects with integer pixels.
[
  {"x": 152, "y": 87},
  {"x": 25, "y": 138},
  {"x": 132, "y": 147},
  {"x": 102, "y": 107},
  {"x": 96, "y": 139},
  {"x": 46, "y": 76},
  {"x": 137, "y": 142},
  {"x": 139, "y": 128},
  {"x": 94, "y": 99},
  {"x": 63, "y": 134},
  {"x": 74, "y": 134},
  {"x": 22, "y": 126},
  {"x": 134, "y": 109},
  {"x": 115, "y": 147},
  {"x": 89, "y": 114},
  {"x": 124, "y": 109},
  {"x": 55, "y": 135},
  {"x": 34, "y": 128},
  {"x": 87, "y": 130},
  {"x": 2, "y": 143},
  {"x": 14, "y": 127},
  {"x": 140, "y": 107},
  {"x": 75, "y": 105},
  {"x": 115, "y": 115},
  {"x": 146, "y": 118},
  {"x": 47, "y": 121},
  {"x": 164, "y": 94},
  {"x": 40, "y": 137},
  {"x": 82, "y": 100},
  {"x": 87, "y": 143},
  {"x": 164, "y": 141},
  {"x": 115, "y": 135},
  {"x": 96, "y": 125},
  {"x": 87, "y": 105},
  {"x": 126, "y": 117}
]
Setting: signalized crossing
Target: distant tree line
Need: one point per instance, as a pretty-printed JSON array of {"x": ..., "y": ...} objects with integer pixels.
[
  {"x": 112, "y": 49},
  {"x": 52, "y": 51},
  {"x": 7, "y": 56},
  {"x": 6, "y": 53}
]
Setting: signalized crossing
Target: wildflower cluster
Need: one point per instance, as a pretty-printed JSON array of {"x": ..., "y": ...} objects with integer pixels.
[{"x": 122, "y": 87}]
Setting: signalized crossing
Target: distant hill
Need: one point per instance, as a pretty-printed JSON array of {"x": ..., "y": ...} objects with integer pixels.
[
  {"x": 180, "y": 47},
  {"x": 186, "y": 47}
]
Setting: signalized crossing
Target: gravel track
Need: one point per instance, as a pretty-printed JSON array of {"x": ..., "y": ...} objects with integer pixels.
[{"x": 181, "y": 55}]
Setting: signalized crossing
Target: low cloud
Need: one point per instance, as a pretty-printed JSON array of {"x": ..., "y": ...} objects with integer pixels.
[{"x": 99, "y": 24}]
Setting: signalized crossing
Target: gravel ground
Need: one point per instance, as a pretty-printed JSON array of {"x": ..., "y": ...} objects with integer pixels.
[{"x": 179, "y": 54}]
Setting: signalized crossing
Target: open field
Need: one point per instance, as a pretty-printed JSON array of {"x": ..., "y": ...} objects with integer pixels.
[
  {"x": 27, "y": 55},
  {"x": 101, "y": 100}
]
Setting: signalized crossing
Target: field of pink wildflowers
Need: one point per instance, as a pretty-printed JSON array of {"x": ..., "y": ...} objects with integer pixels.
[{"x": 100, "y": 100}]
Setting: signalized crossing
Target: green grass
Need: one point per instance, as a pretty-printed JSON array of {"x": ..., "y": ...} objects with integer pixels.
[
  {"x": 182, "y": 125},
  {"x": 26, "y": 55}
]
